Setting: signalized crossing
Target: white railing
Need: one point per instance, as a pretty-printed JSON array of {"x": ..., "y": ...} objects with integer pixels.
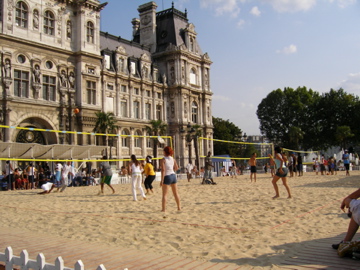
[{"x": 25, "y": 263}]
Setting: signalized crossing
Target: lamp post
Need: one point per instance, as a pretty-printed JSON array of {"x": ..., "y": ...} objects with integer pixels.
[
  {"x": 241, "y": 138},
  {"x": 189, "y": 136}
]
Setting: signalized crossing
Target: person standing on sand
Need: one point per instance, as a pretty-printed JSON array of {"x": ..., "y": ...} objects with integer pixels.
[
  {"x": 252, "y": 164},
  {"x": 346, "y": 159},
  {"x": 281, "y": 172},
  {"x": 189, "y": 169},
  {"x": 58, "y": 181},
  {"x": 106, "y": 175},
  {"x": 135, "y": 170},
  {"x": 208, "y": 169},
  {"x": 168, "y": 177},
  {"x": 150, "y": 175}
]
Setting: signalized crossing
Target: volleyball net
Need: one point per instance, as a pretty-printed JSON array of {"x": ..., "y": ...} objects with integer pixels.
[
  {"x": 241, "y": 150},
  {"x": 307, "y": 156},
  {"x": 26, "y": 151}
]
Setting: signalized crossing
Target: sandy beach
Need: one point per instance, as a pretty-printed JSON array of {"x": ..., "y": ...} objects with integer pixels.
[{"x": 233, "y": 221}]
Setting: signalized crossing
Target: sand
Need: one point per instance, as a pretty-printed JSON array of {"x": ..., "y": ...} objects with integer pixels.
[{"x": 233, "y": 221}]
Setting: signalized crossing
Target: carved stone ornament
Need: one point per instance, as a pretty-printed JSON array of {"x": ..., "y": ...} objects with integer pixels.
[
  {"x": 146, "y": 20},
  {"x": 144, "y": 56},
  {"x": 36, "y": 87},
  {"x": 121, "y": 49},
  {"x": 7, "y": 82}
]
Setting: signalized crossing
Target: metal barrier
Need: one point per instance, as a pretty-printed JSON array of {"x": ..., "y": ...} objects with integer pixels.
[{"x": 25, "y": 263}]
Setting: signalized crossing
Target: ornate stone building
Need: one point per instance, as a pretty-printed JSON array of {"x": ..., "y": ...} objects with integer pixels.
[{"x": 55, "y": 59}]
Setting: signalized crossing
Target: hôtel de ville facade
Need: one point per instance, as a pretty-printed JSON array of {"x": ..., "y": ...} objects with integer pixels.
[{"x": 54, "y": 59}]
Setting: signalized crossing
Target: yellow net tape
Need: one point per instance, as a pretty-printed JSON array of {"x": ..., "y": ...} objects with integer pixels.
[{"x": 77, "y": 133}]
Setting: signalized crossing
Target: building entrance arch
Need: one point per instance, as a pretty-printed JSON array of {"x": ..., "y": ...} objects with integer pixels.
[{"x": 34, "y": 136}]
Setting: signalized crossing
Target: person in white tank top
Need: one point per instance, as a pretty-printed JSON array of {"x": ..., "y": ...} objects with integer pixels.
[
  {"x": 168, "y": 177},
  {"x": 136, "y": 176}
]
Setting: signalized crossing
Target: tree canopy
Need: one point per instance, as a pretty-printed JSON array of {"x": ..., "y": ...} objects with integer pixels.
[
  {"x": 305, "y": 119},
  {"x": 227, "y": 131}
]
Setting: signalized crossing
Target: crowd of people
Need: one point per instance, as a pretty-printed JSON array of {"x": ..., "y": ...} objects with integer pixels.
[{"x": 280, "y": 165}]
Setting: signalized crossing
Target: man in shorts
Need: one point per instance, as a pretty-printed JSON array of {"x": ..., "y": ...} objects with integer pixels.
[
  {"x": 252, "y": 164},
  {"x": 208, "y": 170},
  {"x": 58, "y": 169},
  {"x": 346, "y": 160}
]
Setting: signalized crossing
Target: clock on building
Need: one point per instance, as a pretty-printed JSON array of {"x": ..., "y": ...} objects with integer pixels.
[{"x": 30, "y": 136}]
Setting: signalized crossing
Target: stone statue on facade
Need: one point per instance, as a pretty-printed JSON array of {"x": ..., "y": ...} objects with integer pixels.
[
  {"x": 36, "y": 19},
  {"x": 72, "y": 80},
  {"x": 7, "y": 69},
  {"x": 63, "y": 79},
  {"x": 37, "y": 74}
]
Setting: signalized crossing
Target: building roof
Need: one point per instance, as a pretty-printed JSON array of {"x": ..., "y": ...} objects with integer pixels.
[{"x": 111, "y": 42}]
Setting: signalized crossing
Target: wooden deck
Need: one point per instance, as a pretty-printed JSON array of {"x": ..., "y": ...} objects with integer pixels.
[{"x": 316, "y": 254}]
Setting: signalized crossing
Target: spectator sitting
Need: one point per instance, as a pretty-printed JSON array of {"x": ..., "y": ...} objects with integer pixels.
[
  {"x": 195, "y": 172},
  {"x": 18, "y": 180},
  {"x": 350, "y": 202},
  {"x": 123, "y": 171},
  {"x": 25, "y": 181}
]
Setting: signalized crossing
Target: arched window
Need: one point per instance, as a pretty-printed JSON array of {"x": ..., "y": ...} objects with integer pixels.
[
  {"x": 49, "y": 23},
  {"x": 21, "y": 15},
  {"x": 90, "y": 32},
  {"x": 194, "y": 112},
  {"x": 193, "y": 76},
  {"x": 138, "y": 140},
  {"x": 125, "y": 140}
]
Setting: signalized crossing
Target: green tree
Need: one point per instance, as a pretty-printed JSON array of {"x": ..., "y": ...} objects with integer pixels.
[
  {"x": 285, "y": 110},
  {"x": 227, "y": 131},
  {"x": 342, "y": 134},
  {"x": 156, "y": 128},
  {"x": 333, "y": 109},
  {"x": 105, "y": 123},
  {"x": 295, "y": 136}
]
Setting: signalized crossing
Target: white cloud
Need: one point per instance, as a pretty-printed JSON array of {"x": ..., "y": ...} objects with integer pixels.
[
  {"x": 351, "y": 84},
  {"x": 232, "y": 7},
  {"x": 288, "y": 50},
  {"x": 303, "y": 5},
  {"x": 344, "y": 3},
  {"x": 222, "y": 7},
  {"x": 240, "y": 24},
  {"x": 221, "y": 98},
  {"x": 255, "y": 11},
  {"x": 291, "y": 5}
]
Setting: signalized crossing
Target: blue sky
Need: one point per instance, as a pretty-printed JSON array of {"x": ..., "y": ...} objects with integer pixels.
[{"x": 258, "y": 46}]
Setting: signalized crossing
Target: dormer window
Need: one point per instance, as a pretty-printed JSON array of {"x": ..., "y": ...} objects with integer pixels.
[
  {"x": 133, "y": 68},
  {"x": 192, "y": 76},
  {"x": 90, "y": 30},
  {"x": 107, "y": 61},
  {"x": 192, "y": 44}
]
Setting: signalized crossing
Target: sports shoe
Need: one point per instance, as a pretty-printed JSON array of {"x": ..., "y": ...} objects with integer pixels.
[
  {"x": 348, "y": 247},
  {"x": 336, "y": 246}
]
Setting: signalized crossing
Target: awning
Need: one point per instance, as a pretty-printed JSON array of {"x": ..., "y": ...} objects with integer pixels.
[{"x": 56, "y": 151}]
